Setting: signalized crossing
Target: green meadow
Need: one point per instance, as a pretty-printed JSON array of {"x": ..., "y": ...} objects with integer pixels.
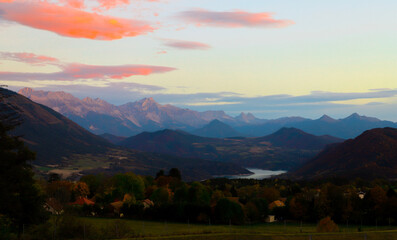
[{"x": 133, "y": 229}]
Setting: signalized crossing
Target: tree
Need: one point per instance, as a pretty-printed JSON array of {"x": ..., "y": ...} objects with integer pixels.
[
  {"x": 227, "y": 211},
  {"x": 160, "y": 173},
  {"x": 327, "y": 225},
  {"x": 20, "y": 198},
  {"x": 199, "y": 194},
  {"x": 80, "y": 189},
  {"x": 61, "y": 191},
  {"x": 175, "y": 173},
  {"x": 128, "y": 183},
  {"x": 161, "y": 196}
]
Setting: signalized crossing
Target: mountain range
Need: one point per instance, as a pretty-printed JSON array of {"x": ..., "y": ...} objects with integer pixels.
[
  {"x": 128, "y": 119},
  {"x": 216, "y": 129},
  {"x": 64, "y": 146},
  {"x": 285, "y": 149},
  {"x": 349, "y": 127},
  {"x": 100, "y": 117},
  {"x": 373, "y": 154},
  {"x": 61, "y": 144}
]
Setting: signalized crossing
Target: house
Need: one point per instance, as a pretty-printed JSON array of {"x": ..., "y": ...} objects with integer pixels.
[
  {"x": 270, "y": 218},
  {"x": 117, "y": 206},
  {"x": 361, "y": 194},
  {"x": 147, "y": 203},
  {"x": 275, "y": 204},
  {"x": 82, "y": 201},
  {"x": 53, "y": 206}
]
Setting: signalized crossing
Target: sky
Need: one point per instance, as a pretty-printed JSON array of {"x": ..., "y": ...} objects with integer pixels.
[{"x": 273, "y": 58}]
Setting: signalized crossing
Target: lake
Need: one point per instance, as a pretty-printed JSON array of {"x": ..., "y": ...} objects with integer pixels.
[{"x": 258, "y": 174}]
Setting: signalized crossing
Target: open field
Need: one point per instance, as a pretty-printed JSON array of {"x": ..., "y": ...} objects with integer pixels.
[{"x": 276, "y": 231}]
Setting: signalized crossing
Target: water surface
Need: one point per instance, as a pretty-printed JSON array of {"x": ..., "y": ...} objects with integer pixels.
[{"x": 259, "y": 174}]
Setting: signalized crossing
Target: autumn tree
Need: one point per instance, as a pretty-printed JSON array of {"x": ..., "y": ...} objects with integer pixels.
[
  {"x": 327, "y": 225},
  {"x": 80, "y": 189},
  {"x": 60, "y": 190}
]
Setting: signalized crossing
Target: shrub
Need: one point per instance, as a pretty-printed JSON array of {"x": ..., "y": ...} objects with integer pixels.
[{"x": 327, "y": 225}]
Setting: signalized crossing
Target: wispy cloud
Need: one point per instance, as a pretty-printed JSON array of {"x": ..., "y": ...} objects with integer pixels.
[
  {"x": 71, "y": 22},
  {"x": 75, "y": 71},
  {"x": 30, "y": 58},
  {"x": 186, "y": 45},
  {"x": 234, "y": 19},
  {"x": 108, "y": 4}
]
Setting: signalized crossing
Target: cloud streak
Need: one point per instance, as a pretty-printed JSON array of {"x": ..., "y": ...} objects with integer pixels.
[
  {"x": 81, "y": 71},
  {"x": 235, "y": 19},
  {"x": 29, "y": 58},
  {"x": 75, "y": 71},
  {"x": 186, "y": 45},
  {"x": 72, "y": 22}
]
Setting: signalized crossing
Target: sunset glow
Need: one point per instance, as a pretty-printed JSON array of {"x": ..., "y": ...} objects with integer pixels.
[{"x": 271, "y": 58}]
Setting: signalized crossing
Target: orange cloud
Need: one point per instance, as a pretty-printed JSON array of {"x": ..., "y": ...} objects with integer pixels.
[
  {"x": 71, "y": 22},
  {"x": 234, "y": 19}
]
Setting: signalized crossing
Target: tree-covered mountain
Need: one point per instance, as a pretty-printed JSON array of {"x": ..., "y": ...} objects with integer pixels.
[
  {"x": 217, "y": 129},
  {"x": 48, "y": 133},
  {"x": 298, "y": 139},
  {"x": 373, "y": 154},
  {"x": 285, "y": 149}
]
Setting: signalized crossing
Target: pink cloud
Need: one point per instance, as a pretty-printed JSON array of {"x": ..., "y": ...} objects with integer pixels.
[
  {"x": 71, "y": 22},
  {"x": 187, "y": 45},
  {"x": 233, "y": 19},
  {"x": 81, "y": 71},
  {"x": 30, "y": 58},
  {"x": 162, "y": 52},
  {"x": 108, "y": 4},
  {"x": 75, "y": 71}
]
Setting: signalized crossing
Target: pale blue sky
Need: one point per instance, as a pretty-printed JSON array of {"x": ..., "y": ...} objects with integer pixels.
[{"x": 347, "y": 48}]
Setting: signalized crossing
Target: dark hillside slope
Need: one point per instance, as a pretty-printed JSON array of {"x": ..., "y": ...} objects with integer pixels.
[
  {"x": 372, "y": 154},
  {"x": 283, "y": 150},
  {"x": 47, "y": 132},
  {"x": 298, "y": 139},
  {"x": 167, "y": 141},
  {"x": 217, "y": 129}
]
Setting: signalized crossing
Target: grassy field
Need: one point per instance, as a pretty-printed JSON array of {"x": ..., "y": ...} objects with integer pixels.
[{"x": 132, "y": 229}]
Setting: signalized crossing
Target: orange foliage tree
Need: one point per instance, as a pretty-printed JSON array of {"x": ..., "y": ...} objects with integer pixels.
[{"x": 327, "y": 225}]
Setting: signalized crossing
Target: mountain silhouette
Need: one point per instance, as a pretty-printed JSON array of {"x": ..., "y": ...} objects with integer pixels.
[
  {"x": 217, "y": 129},
  {"x": 373, "y": 154}
]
